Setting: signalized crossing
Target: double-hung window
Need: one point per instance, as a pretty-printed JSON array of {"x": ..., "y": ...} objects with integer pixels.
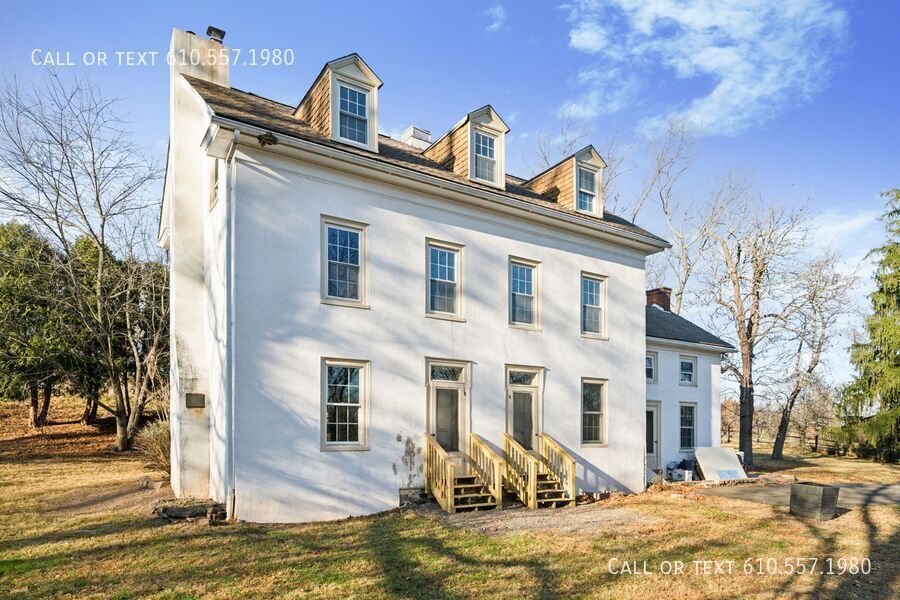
[
  {"x": 344, "y": 399},
  {"x": 592, "y": 305},
  {"x": 688, "y": 370},
  {"x": 587, "y": 190},
  {"x": 688, "y": 428},
  {"x": 650, "y": 366},
  {"x": 485, "y": 157},
  {"x": 444, "y": 279},
  {"x": 343, "y": 253},
  {"x": 593, "y": 412},
  {"x": 353, "y": 114},
  {"x": 523, "y": 293}
]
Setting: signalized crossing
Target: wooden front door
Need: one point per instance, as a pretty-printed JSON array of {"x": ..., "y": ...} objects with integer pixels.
[
  {"x": 522, "y": 417},
  {"x": 446, "y": 421}
]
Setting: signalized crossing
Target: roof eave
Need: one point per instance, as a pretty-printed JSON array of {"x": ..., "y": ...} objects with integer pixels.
[{"x": 642, "y": 243}]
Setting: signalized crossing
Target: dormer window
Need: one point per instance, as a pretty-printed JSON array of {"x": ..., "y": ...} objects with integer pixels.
[
  {"x": 485, "y": 157},
  {"x": 587, "y": 191},
  {"x": 354, "y": 118}
]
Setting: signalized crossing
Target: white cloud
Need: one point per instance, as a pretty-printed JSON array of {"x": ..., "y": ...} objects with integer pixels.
[
  {"x": 759, "y": 56},
  {"x": 497, "y": 16}
]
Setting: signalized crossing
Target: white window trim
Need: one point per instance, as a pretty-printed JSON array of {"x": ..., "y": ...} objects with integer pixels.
[
  {"x": 536, "y": 386},
  {"x": 603, "y": 279},
  {"x": 694, "y": 447},
  {"x": 596, "y": 192},
  {"x": 499, "y": 155},
  {"x": 655, "y": 356},
  {"x": 693, "y": 359},
  {"x": 459, "y": 315},
  {"x": 363, "y": 444},
  {"x": 362, "y": 228},
  {"x": 371, "y": 111},
  {"x": 604, "y": 412},
  {"x": 536, "y": 292}
]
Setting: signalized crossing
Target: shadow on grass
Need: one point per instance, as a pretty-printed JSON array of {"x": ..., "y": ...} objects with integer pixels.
[
  {"x": 415, "y": 564},
  {"x": 884, "y": 554}
]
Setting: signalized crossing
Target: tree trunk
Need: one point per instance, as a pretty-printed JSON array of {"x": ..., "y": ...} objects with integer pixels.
[
  {"x": 123, "y": 442},
  {"x": 34, "y": 410},
  {"x": 778, "y": 447},
  {"x": 745, "y": 439},
  {"x": 90, "y": 409},
  {"x": 45, "y": 405}
]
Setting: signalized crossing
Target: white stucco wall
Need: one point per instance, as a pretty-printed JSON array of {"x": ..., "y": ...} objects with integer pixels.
[
  {"x": 215, "y": 319},
  {"x": 187, "y": 180},
  {"x": 670, "y": 394},
  {"x": 282, "y": 331}
]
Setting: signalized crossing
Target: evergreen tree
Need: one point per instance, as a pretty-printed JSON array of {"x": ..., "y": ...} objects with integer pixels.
[{"x": 871, "y": 403}]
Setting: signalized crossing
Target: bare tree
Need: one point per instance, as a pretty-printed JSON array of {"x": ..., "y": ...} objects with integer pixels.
[
  {"x": 815, "y": 410},
  {"x": 553, "y": 146},
  {"x": 730, "y": 413},
  {"x": 68, "y": 168},
  {"x": 748, "y": 284},
  {"x": 824, "y": 295}
]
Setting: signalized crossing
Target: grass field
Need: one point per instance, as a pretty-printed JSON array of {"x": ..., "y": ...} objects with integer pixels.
[{"x": 73, "y": 522}]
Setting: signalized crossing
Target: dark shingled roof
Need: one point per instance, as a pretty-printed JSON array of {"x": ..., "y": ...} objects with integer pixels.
[
  {"x": 669, "y": 326},
  {"x": 276, "y": 117}
]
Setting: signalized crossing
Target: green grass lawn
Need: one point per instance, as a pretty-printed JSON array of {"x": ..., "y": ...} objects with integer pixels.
[{"x": 76, "y": 523}]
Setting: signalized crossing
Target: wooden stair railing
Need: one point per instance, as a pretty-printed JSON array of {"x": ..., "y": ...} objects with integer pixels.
[
  {"x": 521, "y": 471},
  {"x": 464, "y": 482},
  {"x": 488, "y": 466},
  {"x": 440, "y": 474},
  {"x": 559, "y": 463}
]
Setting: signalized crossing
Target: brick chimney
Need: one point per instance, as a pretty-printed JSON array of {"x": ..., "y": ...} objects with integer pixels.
[{"x": 661, "y": 297}]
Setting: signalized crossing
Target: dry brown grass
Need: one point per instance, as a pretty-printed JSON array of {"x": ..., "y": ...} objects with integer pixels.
[{"x": 76, "y": 523}]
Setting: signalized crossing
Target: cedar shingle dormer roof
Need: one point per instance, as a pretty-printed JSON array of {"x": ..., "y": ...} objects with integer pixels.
[
  {"x": 319, "y": 105},
  {"x": 280, "y": 119},
  {"x": 453, "y": 149},
  {"x": 560, "y": 183}
]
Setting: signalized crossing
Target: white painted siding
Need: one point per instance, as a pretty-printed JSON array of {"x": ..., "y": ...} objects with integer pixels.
[{"x": 282, "y": 331}]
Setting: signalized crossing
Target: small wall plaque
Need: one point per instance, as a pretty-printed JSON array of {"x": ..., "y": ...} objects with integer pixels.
[{"x": 195, "y": 400}]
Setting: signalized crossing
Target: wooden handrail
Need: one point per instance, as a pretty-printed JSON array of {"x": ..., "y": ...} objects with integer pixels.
[
  {"x": 521, "y": 471},
  {"x": 439, "y": 473},
  {"x": 488, "y": 465},
  {"x": 559, "y": 462}
]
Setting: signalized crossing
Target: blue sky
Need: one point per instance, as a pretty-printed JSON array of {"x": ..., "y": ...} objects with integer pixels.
[{"x": 803, "y": 95}]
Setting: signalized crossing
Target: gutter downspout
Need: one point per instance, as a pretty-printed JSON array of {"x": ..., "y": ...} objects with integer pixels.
[{"x": 229, "y": 330}]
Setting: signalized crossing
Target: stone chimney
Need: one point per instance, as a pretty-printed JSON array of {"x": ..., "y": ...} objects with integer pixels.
[
  {"x": 661, "y": 297},
  {"x": 416, "y": 137}
]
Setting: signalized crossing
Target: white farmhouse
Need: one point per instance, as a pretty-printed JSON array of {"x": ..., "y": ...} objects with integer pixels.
[{"x": 353, "y": 315}]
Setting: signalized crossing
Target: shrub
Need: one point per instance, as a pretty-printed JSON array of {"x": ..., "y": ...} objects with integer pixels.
[{"x": 153, "y": 442}]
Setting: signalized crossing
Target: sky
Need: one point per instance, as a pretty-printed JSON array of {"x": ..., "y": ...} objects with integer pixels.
[{"x": 804, "y": 96}]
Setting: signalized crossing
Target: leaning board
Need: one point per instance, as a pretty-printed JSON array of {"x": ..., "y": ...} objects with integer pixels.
[{"x": 719, "y": 464}]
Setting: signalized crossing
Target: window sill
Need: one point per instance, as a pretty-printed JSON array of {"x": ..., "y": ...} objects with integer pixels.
[
  {"x": 524, "y": 327},
  {"x": 687, "y": 384},
  {"x": 594, "y": 445},
  {"x": 686, "y": 450},
  {"x": 445, "y": 317},
  {"x": 594, "y": 336},
  {"x": 343, "y": 448},
  {"x": 652, "y": 381},
  {"x": 346, "y": 303}
]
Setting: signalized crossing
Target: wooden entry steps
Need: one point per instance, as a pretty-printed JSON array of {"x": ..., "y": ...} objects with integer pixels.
[
  {"x": 541, "y": 479},
  {"x": 471, "y": 482}
]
